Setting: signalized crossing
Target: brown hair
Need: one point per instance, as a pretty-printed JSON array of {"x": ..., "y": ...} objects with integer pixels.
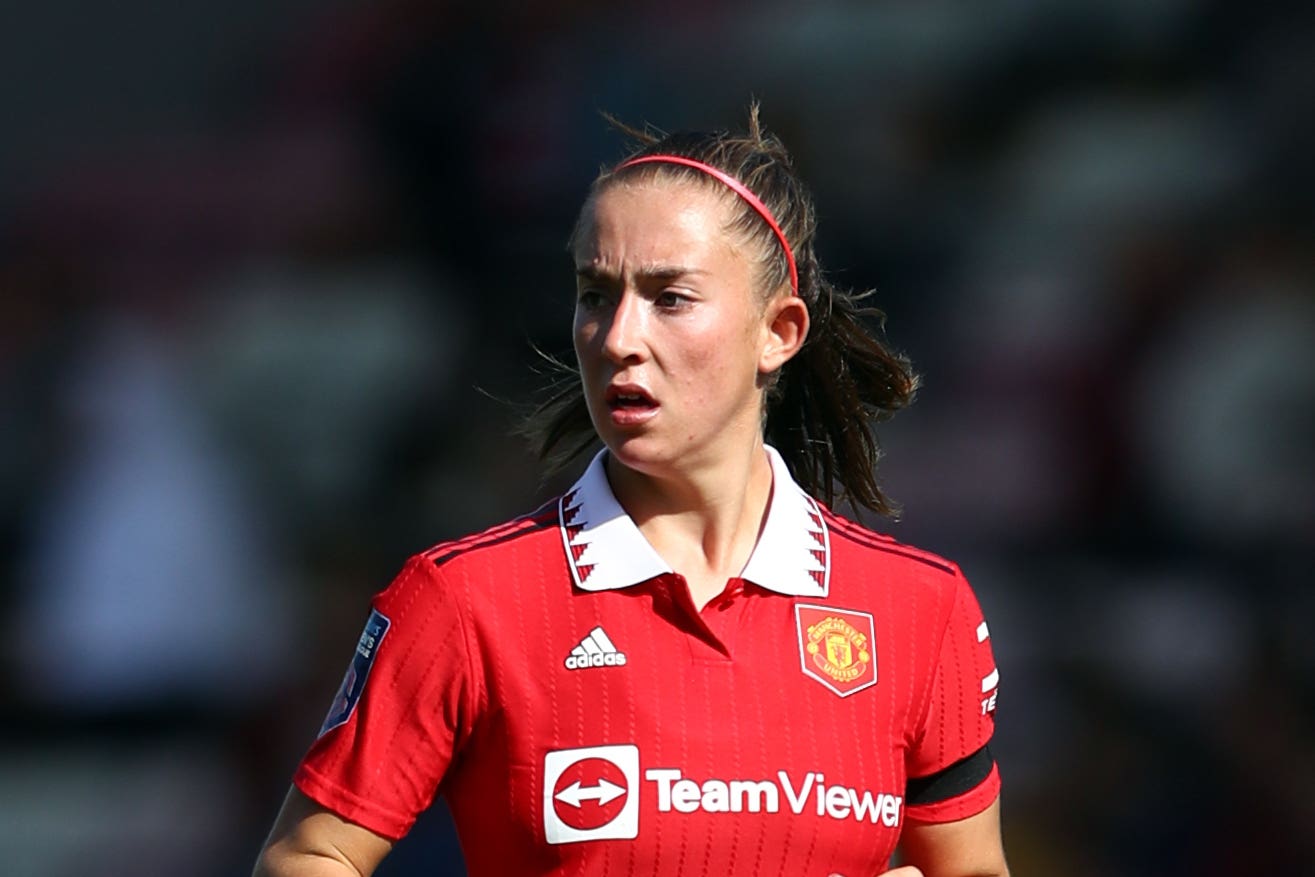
[{"x": 823, "y": 404}]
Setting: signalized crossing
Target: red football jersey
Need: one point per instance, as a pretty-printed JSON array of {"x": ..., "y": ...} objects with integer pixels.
[{"x": 551, "y": 678}]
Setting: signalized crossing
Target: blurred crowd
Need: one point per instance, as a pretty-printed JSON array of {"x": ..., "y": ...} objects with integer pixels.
[{"x": 273, "y": 279}]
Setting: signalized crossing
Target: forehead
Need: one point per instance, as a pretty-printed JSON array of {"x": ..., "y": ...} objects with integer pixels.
[{"x": 655, "y": 220}]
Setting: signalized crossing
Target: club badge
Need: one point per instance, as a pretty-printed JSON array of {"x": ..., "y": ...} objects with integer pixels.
[{"x": 837, "y": 647}]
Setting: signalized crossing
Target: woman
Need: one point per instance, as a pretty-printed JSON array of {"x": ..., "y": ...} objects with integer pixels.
[{"x": 686, "y": 664}]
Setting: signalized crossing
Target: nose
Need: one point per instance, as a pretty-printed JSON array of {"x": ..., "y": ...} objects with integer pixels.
[{"x": 623, "y": 339}]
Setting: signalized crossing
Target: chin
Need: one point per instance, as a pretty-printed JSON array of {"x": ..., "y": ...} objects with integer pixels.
[{"x": 642, "y": 453}]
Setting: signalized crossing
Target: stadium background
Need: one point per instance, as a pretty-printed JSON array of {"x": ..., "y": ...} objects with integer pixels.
[{"x": 270, "y": 274}]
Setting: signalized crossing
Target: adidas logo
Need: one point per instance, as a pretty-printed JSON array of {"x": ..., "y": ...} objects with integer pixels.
[{"x": 595, "y": 650}]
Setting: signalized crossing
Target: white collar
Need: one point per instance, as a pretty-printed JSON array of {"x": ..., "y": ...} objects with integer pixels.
[{"x": 606, "y": 551}]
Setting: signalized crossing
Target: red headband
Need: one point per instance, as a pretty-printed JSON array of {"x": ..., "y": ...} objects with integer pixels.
[{"x": 739, "y": 189}]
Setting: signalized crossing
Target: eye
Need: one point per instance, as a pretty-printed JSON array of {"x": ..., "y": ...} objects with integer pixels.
[
  {"x": 590, "y": 298},
  {"x": 669, "y": 299}
]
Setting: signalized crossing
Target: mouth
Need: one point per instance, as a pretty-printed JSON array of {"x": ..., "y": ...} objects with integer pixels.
[
  {"x": 620, "y": 397},
  {"x": 630, "y": 405}
]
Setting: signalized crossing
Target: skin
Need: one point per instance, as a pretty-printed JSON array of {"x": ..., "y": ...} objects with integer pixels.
[
  {"x": 971, "y": 847},
  {"x": 670, "y": 303},
  {"x": 667, "y": 301},
  {"x": 309, "y": 840}
]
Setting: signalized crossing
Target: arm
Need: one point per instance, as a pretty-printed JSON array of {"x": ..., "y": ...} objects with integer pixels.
[
  {"x": 373, "y": 775},
  {"x": 952, "y": 803},
  {"x": 969, "y": 847},
  {"x": 309, "y": 840}
]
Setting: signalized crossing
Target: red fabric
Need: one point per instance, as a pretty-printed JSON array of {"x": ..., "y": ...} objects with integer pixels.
[{"x": 470, "y": 693}]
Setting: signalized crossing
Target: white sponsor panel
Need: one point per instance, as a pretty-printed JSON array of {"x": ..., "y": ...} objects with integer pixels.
[{"x": 591, "y": 793}]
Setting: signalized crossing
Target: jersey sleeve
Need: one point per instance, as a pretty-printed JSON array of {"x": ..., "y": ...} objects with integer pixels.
[
  {"x": 405, "y": 706},
  {"x": 952, "y": 774}
]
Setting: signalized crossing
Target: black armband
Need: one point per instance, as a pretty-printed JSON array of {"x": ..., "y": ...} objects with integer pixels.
[{"x": 962, "y": 776}]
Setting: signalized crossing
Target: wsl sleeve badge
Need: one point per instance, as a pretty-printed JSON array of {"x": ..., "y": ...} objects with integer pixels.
[{"x": 353, "y": 682}]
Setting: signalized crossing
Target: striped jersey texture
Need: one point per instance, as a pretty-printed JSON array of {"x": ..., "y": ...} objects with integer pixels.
[{"x": 604, "y": 726}]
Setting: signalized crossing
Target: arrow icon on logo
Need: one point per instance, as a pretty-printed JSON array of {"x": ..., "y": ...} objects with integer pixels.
[{"x": 602, "y": 793}]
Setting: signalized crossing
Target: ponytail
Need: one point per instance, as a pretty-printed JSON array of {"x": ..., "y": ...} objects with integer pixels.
[{"x": 822, "y": 412}]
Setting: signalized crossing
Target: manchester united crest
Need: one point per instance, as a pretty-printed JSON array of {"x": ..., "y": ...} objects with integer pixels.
[{"x": 836, "y": 647}]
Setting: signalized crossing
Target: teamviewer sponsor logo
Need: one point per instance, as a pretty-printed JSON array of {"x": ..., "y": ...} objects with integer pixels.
[
  {"x": 677, "y": 792},
  {"x": 591, "y": 794},
  {"x": 595, "y": 650}
]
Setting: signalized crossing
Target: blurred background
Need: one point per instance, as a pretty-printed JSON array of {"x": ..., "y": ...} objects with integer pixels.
[{"x": 271, "y": 275}]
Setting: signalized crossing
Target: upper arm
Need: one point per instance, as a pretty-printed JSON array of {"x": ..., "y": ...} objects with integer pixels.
[
  {"x": 952, "y": 826},
  {"x": 950, "y": 769},
  {"x": 969, "y": 847},
  {"x": 380, "y": 758},
  {"x": 311, "y": 840}
]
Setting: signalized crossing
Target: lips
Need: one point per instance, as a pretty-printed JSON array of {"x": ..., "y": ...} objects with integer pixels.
[
  {"x": 629, "y": 396},
  {"x": 629, "y": 405}
]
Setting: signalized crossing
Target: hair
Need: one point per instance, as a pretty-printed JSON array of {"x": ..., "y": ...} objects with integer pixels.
[{"x": 822, "y": 405}]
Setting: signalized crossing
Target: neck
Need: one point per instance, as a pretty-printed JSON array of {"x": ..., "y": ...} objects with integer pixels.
[{"x": 705, "y": 522}]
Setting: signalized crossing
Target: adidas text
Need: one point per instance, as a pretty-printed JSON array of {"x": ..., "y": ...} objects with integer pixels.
[{"x": 579, "y": 662}]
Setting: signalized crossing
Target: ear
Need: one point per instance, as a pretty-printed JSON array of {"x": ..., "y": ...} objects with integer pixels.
[{"x": 786, "y": 325}]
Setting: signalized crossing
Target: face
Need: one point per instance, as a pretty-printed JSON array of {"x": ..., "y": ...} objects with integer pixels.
[{"x": 672, "y": 339}]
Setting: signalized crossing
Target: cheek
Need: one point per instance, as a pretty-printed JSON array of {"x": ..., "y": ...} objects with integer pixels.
[
  {"x": 583, "y": 332},
  {"x": 720, "y": 359}
]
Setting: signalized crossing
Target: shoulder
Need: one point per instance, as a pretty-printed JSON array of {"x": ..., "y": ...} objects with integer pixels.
[
  {"x": 870, "y": 559},
  {"x": 496, "y": 541},
  {"x": 472, "y": 562},
  {"x": 879, "y": 547}
]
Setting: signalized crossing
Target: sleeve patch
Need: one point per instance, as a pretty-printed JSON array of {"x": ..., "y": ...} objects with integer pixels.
[{"x": 353, "y": 682}]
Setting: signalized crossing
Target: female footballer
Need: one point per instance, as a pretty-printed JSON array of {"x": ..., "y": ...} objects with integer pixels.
[{"x": 687, "y": 664}]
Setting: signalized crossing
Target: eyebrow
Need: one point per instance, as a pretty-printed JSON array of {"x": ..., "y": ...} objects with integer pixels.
[{"x": 647, "y": 272}]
